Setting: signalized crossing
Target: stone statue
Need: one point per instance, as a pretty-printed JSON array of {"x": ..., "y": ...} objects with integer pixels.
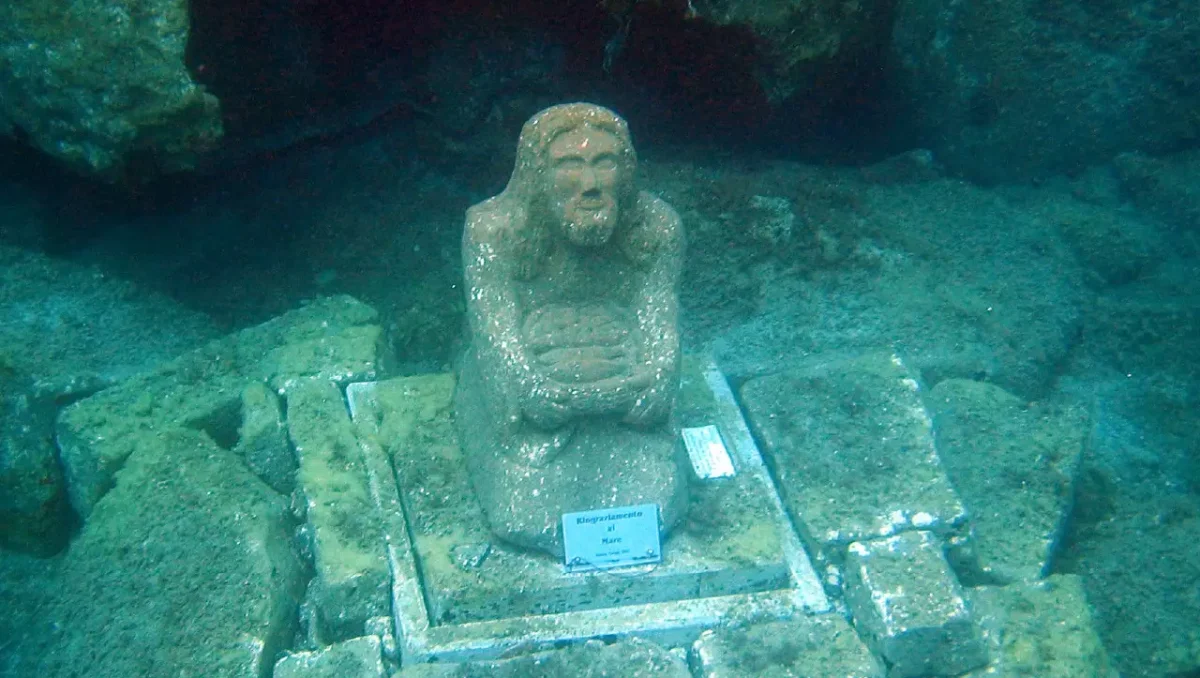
[{"x": 572, "y": 277}]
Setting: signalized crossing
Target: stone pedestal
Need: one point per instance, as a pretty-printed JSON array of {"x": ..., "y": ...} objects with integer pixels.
[{"x": 461, "y": 593}]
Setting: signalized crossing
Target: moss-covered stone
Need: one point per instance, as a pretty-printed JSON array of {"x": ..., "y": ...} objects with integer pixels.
[
  {"x": 852, "y": 449},
  {"x": 333, "y": 339},
  {"x": 1041, "y": 629},
  {"x": 1014, "y": 464},
  {"x": 351, "y": 582},
  {"x": 813, "y": 647},
  {"x": 185, "y": 568}
]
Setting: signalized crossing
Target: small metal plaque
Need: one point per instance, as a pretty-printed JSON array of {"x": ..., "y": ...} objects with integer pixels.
[
  {"x": 710, "y": 458},
  {"x": 616, "y": 537}
]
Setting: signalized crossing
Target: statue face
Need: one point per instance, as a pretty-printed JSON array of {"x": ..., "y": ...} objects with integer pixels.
[{"x": 584, "y": 178}]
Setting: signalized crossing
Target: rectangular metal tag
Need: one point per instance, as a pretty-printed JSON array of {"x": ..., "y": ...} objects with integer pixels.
[
  {"x": 616, "y": 537},
  {"x": 710, "y": 458}
]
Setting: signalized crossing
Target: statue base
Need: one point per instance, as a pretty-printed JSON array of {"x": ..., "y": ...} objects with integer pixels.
[{"x": 460, "y": 593}]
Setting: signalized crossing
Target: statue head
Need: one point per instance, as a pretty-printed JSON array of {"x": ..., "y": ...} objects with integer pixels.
[{"x": 575, "y": 172}]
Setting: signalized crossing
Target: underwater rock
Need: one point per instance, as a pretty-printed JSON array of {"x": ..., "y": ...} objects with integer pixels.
[
  {"x": 1012, "y": 91},
  {"x": 34, "y": 515},
  {"x": 74, "y": 329},
  {"x": 101, "y": 85},
  {"x": 1116, "y": 246},
  {"x": 184, "y": 568},
  {"x": 334, "y": 338},
  {"x": 962, "y": 282},
  {"x": 824, "y": 646},
  {"x": 1041, "y": 629},
  {"x": 1166, "y": 186},
  {"x": 357, "y": 658},
  {"x": 1014, "y": 464},
  {"x": 1136, "y": 554}
]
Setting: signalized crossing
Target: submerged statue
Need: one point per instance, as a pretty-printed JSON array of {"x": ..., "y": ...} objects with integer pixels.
[{"x": 572, "y": 278}]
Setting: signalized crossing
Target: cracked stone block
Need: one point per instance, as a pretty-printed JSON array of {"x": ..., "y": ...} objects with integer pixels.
[
  {"x": 263, "y": 440},
  {"x": 909, "y": 607},
  {"x": 334, "y": 338},
  {"x": 185, "y": 569},
  {"x": 1041, "y": 628},
  {"x": 352, "y": 582},
  {"x": 355, "y": 658},
  {"x": 814, "y": 647},
  {"x": 852, "y": 449},
  {"x": 1014, "y": 464}
]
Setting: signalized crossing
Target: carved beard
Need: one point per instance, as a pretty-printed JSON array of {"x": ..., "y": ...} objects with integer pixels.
[{"x": 589, "y": 226}]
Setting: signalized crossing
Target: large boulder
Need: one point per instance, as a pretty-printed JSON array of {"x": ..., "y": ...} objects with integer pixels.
[
  {"x": 1006, "y": 91},
  {"x": 101, "y": 84}
]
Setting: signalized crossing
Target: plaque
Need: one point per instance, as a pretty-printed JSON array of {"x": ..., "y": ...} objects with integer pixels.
[
  {"x": 710, "y": 458},
  {"x": 614, "y": 537}
]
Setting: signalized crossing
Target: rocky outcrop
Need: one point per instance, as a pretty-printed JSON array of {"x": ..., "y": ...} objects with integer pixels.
[
  {"x": 800, "y": 39},
  {"x": 101, "y": 85},
  {"x": 1008, "y": 91}
]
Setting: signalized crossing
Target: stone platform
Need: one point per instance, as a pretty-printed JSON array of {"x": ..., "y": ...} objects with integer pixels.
[{"x": 459, "y": 594}]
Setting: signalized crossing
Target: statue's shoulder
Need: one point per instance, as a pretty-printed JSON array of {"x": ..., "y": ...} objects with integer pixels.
[
  {"x": 658, "y": 230},
  {"x": 495, "y": 221}
]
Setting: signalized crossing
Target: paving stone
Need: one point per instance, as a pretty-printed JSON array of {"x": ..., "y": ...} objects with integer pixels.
[
  {"x": 356, "y": 658},
  {"x": 184, "y": 569},
  {"x": 352, "y": 581},
  {"x": 333, "y": 338},
  {"x": 1041, "y": 628},
  {"x": 852, "y": 449},
  {"x": 812, "y": 647},
  {"x": 909, "y": 607},
  {"x": 1014, "y": 464}
]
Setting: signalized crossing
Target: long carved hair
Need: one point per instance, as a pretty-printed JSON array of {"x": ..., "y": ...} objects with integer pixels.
[{"x": 525, "y": 193}]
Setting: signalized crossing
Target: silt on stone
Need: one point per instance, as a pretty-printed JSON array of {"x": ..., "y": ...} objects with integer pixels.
[
  {"x": 853, "y": 450},
  {"x": 572, "y": 279},
  {"x": 910, "y": 608}
]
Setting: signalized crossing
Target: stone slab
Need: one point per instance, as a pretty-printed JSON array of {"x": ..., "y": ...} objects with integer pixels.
[
  {"x": 424, "y": 636},
  {"x": 185, "y": 568},
  {"x": 1041, "y": 628},
  {"x": 1014, "y": 464},
  {"x": 355, "y": 658},
  {"x": 333, "y": 338},
  {"x": 910, "y": 608},
  {"x": 351, "y": 579},
  {"x": 824, "y": 646},
  {"x": 852, "y": 449}
]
